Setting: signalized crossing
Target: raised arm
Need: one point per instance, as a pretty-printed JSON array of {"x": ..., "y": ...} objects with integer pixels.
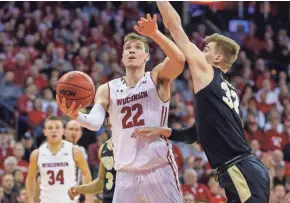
[
  {"x": 31, "y": 176},
  {"x": 173, "y": 65},
  {"x": 95, "y": 119},
  {"x": 172, "y": 22}
]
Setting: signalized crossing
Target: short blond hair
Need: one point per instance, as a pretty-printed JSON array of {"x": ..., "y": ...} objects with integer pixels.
[
  {"x": 229, "y": 48},
  {"x": 133, "y": 36}
]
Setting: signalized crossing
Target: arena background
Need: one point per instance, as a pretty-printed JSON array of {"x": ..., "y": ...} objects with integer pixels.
[{"x": 40, "y": 41}]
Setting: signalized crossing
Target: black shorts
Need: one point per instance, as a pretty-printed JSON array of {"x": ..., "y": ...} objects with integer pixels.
[{"x": 247, "y": 181}]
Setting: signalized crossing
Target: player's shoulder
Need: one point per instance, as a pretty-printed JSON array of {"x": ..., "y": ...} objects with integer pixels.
[
  {"x": 109, "y": 144},
  {"x": 34, "y": 155},
  {"x": 116, "y": 82}
]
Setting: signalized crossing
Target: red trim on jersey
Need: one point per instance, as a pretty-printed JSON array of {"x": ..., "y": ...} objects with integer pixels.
[
  {"x": 157, "y": 89},
  {"x": 109, "y": 96},
  {"x": 161, "y": 116},
  {"x": 169, "y": 158},
  {"x": 165, "y": 116}
]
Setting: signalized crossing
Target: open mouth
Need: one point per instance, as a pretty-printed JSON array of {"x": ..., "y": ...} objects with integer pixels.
[{"x": 132, "y": 57}]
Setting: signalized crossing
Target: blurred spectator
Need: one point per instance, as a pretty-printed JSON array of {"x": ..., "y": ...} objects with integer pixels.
[
  {"x": 255, "y": 145},
  {"x": 5, "y": 149},
  {"x": 188, "y": 198},
  {"x": 22, "y": 197},
  {"x": 25, "y": 102},
  {"x": 19, "y": 180},
  {"x": 19, "y": 154},
  {"x": 9, "y": 90},
  {"x": 8, "y": 184},
  {"x": 10, "y": 165},
  {"x": 48, "y": 100},
  {"x": 36, "y": 116},
  {"x": 199, "y": 191},
  {"x": 27, "y": 142},
  {"x": 280, "y": 178},
  {"x": 279, "y": 193}
]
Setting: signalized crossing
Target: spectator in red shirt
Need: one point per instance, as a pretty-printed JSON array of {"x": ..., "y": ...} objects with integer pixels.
[
  {"x": 199, "y": 191},
  {"x": 252, "y": 130},
  {"x": 218, "y": 194},
  {"x": 36, "y": 116},
  {"x": 25, "y": 102},
  {"x": 40, "y": 80},
  {"x": 18, "y": 151},
  {"x": 19, "y": 67}
]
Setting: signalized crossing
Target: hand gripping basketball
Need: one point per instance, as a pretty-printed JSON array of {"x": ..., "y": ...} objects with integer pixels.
[{"x": 71, "y": 111}]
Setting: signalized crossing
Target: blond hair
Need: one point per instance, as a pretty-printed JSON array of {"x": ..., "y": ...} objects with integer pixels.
[
  {"x": 134, "y": 36},
  {"x": 228, "y": 47}
]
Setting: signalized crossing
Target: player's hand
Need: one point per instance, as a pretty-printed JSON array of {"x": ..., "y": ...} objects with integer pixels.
[
  {"x": 69, "y": 111},
  {"x": 151, "y": 132},
  {"x": 147, "y": 26},
  {"x": 73, "y": 192}
]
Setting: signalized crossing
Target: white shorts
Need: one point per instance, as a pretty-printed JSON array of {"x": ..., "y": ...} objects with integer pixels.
[{"x": 160, "y": 185}]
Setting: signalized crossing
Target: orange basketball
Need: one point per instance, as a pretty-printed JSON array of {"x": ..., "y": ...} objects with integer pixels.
[{"x": 76, "y": 87}]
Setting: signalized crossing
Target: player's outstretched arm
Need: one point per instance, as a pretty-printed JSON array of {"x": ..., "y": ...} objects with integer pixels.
[
  {"x": 172, "y": 22},
  {"x": 95, "y": 119},
  {"x": 83, "y": 166},
  {"x": 173, "y": 65},
  {"x": 96, "y": 186},
  {"x": 187, "y": 135},
  {"x": 31, "y": 176}
]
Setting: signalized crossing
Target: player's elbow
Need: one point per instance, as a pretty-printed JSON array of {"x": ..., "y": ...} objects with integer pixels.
[
  {"x": 93, "y": 127},
  {"x": 180, "y": 58}
]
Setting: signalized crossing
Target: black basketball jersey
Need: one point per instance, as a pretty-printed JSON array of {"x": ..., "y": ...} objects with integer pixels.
[
  {"x": 218, "y": 123},
  {"x": 110, "y": 173}
]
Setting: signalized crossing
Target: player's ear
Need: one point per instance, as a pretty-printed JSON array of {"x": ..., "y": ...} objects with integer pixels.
[
  {"x": 218, "y": 58},
  {"x": 147, "y": 58},
  {"x": 44, "y": 132}
]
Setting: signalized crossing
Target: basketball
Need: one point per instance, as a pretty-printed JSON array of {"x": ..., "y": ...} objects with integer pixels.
[{"x": 76, "y": 87}]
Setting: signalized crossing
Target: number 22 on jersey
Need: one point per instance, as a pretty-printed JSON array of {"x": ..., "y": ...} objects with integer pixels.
[
  {"x": 127, "y": 121},
  {"x": 232, "y": 103}
]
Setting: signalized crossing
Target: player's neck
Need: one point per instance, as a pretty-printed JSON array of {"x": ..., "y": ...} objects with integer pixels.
[
  {"x": 133, "y": 76},
  {"x": 55, "y": 147}
]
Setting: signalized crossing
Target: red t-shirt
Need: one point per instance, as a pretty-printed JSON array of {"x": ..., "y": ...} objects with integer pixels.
[
  {"x": 201, "y": 192},
  {"x": 274, "y": 140}
]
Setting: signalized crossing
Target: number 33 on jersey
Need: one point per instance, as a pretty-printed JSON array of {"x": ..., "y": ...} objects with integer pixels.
[{"x": 231, "y": 98}]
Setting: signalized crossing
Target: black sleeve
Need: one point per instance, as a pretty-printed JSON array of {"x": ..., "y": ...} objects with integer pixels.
[{"x": 187, "y": 135}]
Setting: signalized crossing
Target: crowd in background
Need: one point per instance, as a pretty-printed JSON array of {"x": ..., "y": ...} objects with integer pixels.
[{"x": 41, "y": 41}]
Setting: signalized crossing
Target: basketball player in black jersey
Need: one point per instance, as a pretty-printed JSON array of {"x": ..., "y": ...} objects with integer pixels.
[
  {"x": 218, "y": 125},
  {"x": 105, "y": 183}
]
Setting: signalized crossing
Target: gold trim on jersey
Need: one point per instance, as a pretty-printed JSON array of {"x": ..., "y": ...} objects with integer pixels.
[{"x": 240, "y": 183}]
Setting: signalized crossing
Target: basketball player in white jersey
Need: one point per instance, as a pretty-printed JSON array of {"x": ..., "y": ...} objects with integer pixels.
[
  {"x": 56, "y": 160},
  {"x": 146, "y": 171}
]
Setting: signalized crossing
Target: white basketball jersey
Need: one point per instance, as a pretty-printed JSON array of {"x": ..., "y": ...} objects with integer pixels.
[
  {"x": 131, "y": 108},
  {"x": 57, "y": 173}
]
